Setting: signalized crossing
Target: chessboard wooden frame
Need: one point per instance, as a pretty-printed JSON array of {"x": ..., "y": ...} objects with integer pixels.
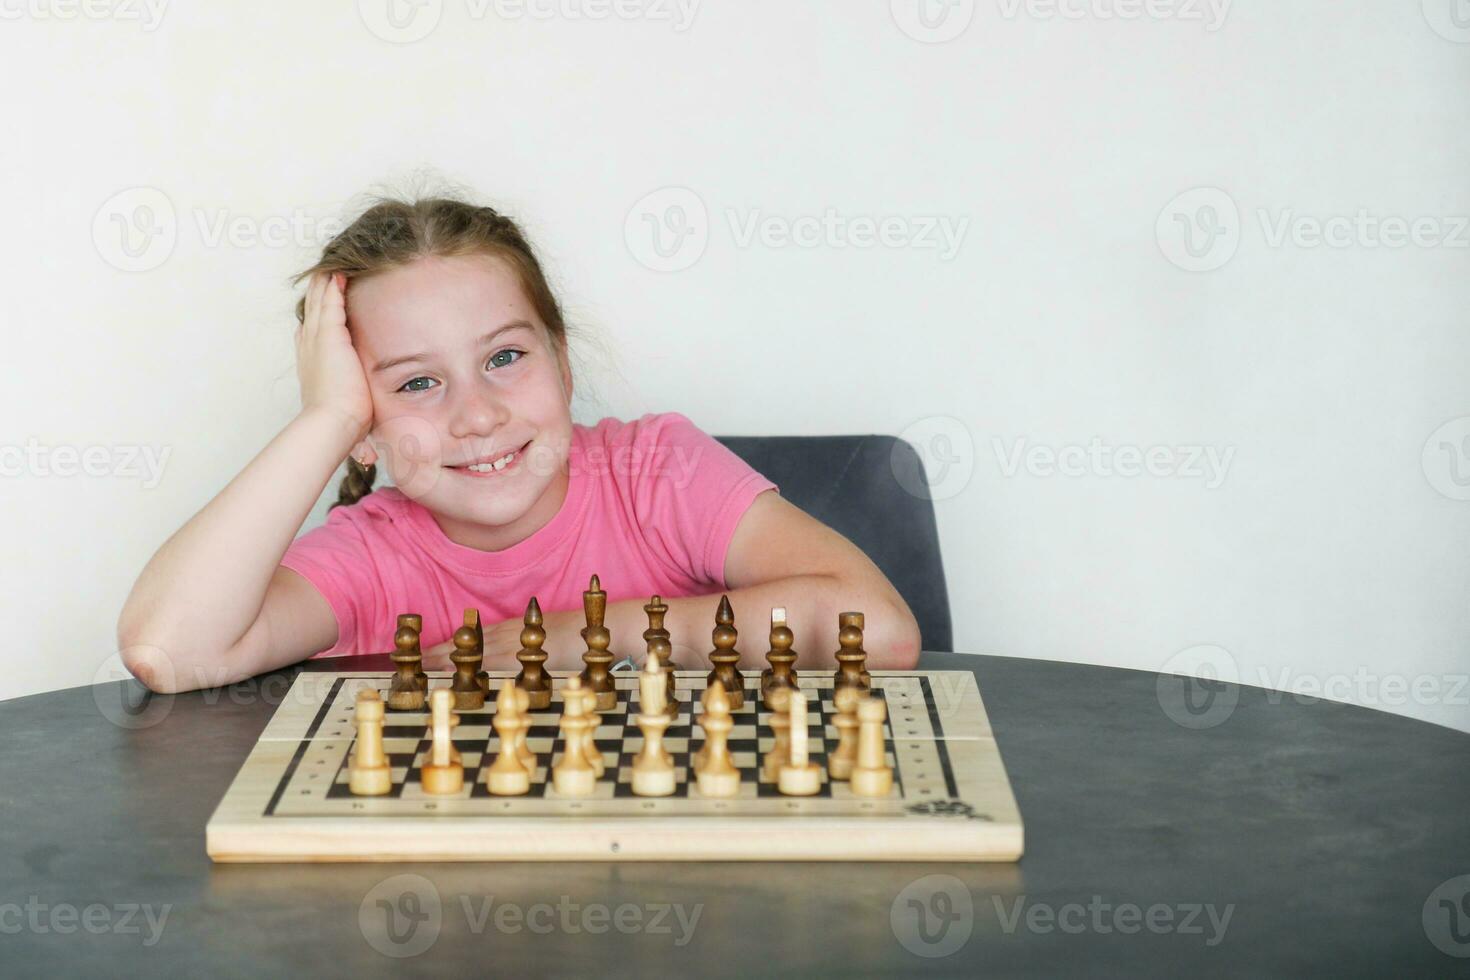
[{"x": 971, "y": 816}]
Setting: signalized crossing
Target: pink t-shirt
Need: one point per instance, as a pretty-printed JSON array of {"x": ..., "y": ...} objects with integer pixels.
[{"x": 651, "y": 507}]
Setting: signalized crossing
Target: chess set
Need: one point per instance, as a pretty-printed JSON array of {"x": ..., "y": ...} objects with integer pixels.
[{"x": 654, "y": 765}]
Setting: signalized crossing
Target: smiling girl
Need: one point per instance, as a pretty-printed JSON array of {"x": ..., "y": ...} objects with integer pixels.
[{"x": 430, "y": 342}]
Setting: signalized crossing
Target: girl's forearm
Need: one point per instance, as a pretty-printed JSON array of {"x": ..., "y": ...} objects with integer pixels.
[
  {"x": 204, "y": 587},
  {"x": 812, "y": 604}
]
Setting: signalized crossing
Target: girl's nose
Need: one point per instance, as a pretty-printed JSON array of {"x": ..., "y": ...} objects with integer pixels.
[{"x": 478, "y": 411}]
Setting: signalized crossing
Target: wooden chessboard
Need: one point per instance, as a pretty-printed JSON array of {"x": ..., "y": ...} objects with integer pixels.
[{"x": 951, "y": 800}]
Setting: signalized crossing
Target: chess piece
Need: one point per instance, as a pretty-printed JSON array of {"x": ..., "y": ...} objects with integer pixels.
[
  {"x": 851, "y": 657},
  {"x": 416, "y": 623},
  {"x": 660, "y": 644},
  {"x": 573, "y": 775},
  {"x": 659, "y": 652},
  {"x": 781, "y": 658},
  {"x": 724, "y": 657},
  {"x": 798, "y": 776},
  {"x": 590, "y": 748},
  {"x": 523, "y": 708},
  {"x": 840, "y": 762},
  {"x": 656, "y": 609},
  {"x": 468, "y": 695},
  {"x": 508, "y": 775},
  {"x": 482, "y": 677},
  {"x": 871, "y": 776},
  {"x": 595, "y": 676},
  {"x": 717, "y": 776},
  {"x": 653, "y": 769},
  {"x": 698, "y": 758},
  {"x": 780, "y": 752},
  {"x": 533, "y": 678},
  {"x": 369, "y": 774},
  {"x": 442, "y": 773},
  {"x": 406, "y": 693}
]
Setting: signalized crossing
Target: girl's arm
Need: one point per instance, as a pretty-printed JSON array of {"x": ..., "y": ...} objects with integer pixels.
[
  {"x": 213, "y": 606},
  {"x": 779, "y": 556}
]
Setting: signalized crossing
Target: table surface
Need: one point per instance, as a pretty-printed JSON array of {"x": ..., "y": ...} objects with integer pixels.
[{"x": 1171, "y": 829}]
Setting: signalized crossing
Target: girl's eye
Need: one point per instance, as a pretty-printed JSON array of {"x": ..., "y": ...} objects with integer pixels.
[
  {"x": 506, "y": 357},
  {"x": 418, "y": 384}
]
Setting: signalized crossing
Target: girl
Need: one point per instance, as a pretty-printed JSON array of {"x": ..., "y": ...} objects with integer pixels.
[{"x": 429, "y": 341}]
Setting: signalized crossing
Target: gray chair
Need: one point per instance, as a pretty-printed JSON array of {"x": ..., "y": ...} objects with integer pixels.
[{"x": 857, "y": 485}]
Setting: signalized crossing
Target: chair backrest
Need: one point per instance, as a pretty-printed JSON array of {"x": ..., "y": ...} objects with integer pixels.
[{"x": 858, "y": 485}]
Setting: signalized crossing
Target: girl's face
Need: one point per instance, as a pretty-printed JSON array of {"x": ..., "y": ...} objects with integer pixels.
[{"x": 464, "y": 374}]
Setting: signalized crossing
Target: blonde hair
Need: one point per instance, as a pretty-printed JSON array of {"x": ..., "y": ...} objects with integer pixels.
[{"x": 393, "y": 232}]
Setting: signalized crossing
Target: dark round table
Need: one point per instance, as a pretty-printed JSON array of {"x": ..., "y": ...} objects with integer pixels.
[{"x": 1172, "y": 829}]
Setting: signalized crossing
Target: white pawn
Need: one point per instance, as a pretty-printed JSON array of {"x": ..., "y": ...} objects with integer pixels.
[
  {"x": 369, "y": 774},
  {"x": 871, "y": 776},
  {"x": 799, "y": 776},
  {"x": 653, "y": 770},
  {"x": 717, "y": 775},
  {"x": 442, "y": 773},
  {"x": 508, "y": 776},
  {"x": 573, "y": 775}
]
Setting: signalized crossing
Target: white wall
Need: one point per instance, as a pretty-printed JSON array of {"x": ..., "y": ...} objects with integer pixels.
[{"x": 1332, "y": 552}]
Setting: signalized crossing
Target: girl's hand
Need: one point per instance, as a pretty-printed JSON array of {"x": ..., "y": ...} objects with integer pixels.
[
  {"x": 502, "y": 643},
  {"x": 331, "y": 375}
]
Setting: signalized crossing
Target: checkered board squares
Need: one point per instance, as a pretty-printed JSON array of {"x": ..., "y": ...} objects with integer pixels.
[
  {"x": 406, "y": 743},
  {"x": 950, "y": 799}
]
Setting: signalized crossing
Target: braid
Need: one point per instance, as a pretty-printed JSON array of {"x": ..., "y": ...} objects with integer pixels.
[{"x": 358, "y": 483}]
